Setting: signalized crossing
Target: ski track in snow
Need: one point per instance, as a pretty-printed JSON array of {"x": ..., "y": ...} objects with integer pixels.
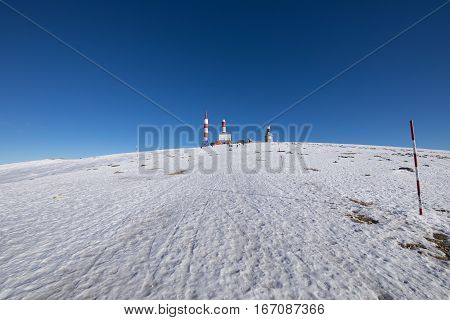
[{"x": 97, "y": 228}]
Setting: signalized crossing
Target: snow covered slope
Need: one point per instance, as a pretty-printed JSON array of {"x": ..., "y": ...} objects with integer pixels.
[{"x": 342, "y": 223}]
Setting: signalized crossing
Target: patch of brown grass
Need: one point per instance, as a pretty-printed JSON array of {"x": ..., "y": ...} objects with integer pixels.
[
  {"x": 360, "y": 218},
  {"x": 441, "y": 243},
  {"x": 412, "y": 246}
]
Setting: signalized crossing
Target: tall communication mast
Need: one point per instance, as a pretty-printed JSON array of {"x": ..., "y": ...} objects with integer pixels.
[{"x": 205, "y": 130}]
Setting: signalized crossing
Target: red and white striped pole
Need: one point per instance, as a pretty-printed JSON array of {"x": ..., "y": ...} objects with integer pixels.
[
  {"x": 411, "y": 124},
  {"x": 224, "y": 126},
  {"x": 205, "y": 129}
]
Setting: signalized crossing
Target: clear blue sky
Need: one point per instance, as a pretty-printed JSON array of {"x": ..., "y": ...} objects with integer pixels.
[{"x": 241, "y": 60}]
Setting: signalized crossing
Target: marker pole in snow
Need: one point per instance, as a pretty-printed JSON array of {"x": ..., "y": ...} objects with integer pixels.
[{"x": 411, "y": 124}]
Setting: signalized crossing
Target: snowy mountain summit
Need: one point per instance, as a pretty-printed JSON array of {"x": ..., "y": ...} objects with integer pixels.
[{"x": 254, "y": 221}]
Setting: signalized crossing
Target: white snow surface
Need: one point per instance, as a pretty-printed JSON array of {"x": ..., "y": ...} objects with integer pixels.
[{"x": 108, "y": 228}]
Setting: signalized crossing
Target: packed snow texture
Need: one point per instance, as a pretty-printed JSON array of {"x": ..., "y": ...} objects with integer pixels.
[{"x": 334, "y": 222}]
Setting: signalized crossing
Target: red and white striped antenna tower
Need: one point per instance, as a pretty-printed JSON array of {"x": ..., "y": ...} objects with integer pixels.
[
  {"x": 411, "y": 124},
  {"x": 224, "y": 126},
  {"x": 205, "y": 130}
]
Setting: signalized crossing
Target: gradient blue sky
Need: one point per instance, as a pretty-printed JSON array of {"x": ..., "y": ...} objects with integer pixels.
[{"x": 241, "y": 60}]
